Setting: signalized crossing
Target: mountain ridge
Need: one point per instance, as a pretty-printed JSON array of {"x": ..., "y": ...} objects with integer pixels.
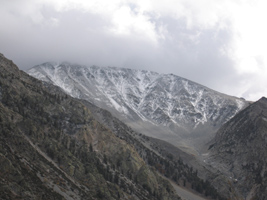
[{"x": 163, "y": 103}]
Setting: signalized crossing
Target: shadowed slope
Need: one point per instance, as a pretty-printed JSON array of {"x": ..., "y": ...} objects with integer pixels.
[{"x": 239, "y": 151}]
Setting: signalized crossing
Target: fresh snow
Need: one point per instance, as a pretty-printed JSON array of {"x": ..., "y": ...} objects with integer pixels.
[{"x": 151, "y": 96}]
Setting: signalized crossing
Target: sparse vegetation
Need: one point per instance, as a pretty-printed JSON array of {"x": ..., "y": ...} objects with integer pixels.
[{"x": 51, "y": 147}]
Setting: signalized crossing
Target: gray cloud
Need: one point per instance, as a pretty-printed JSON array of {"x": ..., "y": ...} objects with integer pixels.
[{"x": 198, "y": 53}]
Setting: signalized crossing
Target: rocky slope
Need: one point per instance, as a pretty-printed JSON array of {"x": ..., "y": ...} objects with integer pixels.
[
  {"x": 52, "y": 147},
  {"x": 170, "y": 161},
  {"x": 239, "y": 152},
  {"x": 163, "y": 106}
]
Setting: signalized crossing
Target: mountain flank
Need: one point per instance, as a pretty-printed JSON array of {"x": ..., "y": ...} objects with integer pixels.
[
  {"x": 239, "y": 151},
  {"x": 52, "y": 147},
  {"x": 167, "y": 159}
]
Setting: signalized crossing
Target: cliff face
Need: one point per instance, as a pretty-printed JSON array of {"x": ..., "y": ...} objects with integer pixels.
[
  {"x": 239, "y": 151},
  {"x": 51, "y": 147}
]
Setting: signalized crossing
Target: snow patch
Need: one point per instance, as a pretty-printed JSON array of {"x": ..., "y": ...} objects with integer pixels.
[{"x": 116, "y": 105}]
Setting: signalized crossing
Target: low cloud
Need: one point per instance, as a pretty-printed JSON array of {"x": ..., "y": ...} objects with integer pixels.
[{"x": 208, "y": 42}]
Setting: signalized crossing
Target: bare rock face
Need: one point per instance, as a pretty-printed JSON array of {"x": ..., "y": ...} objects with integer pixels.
[
  {"x": 239, "y": 151},
  {"x": 164, "y": 106}
]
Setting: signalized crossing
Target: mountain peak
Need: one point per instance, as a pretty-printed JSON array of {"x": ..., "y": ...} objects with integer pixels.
[{"x": 263, "y": 99}]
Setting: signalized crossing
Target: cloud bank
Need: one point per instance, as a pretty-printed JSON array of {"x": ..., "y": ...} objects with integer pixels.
[{"x": 220, "y": 44}]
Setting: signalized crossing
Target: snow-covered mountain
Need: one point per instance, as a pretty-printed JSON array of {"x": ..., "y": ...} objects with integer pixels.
[{"x": 165, "y": 106}]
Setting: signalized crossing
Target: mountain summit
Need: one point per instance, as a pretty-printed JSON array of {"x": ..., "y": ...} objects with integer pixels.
[{"x": 164, "y": 106}]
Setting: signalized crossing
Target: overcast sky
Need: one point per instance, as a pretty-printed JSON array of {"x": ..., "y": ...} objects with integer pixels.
[{"x": 221, "y": 44}]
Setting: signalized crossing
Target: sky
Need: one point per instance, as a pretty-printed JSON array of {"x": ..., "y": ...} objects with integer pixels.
[{"x": 220, "y": 44}]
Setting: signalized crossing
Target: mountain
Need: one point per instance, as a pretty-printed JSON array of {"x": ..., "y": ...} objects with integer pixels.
[
  {"x": 163, "y": 106},
  {"x": 239, "y": 151},
  {"x": 52, "y": 147},
  {"x": 170, "y": 161}
]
